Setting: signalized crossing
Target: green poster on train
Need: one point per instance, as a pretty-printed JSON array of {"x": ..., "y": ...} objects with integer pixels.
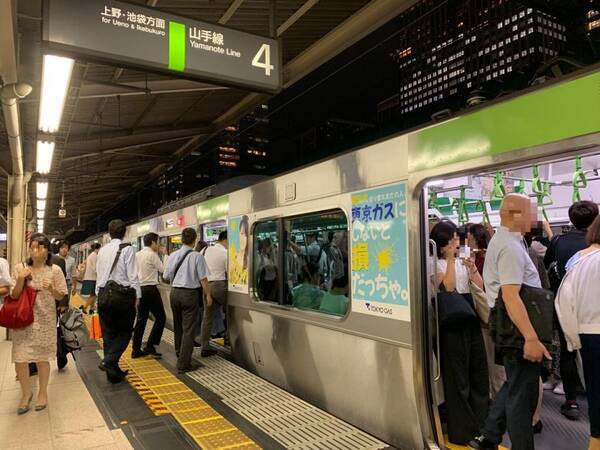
[
  {"x": 380, "y": 253},
  {"x": 238, "y": 231}
]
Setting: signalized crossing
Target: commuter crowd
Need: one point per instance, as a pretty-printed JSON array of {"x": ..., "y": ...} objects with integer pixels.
[
  {"x": 122, "y": 287},
  {"x": 516, "y": 306}
]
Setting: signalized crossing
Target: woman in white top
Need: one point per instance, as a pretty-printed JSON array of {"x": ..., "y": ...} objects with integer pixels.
[
  {"x": 88, "y": 285},
  {"x": 578, "y": 311},
  {"x": 462, "y": 351}
]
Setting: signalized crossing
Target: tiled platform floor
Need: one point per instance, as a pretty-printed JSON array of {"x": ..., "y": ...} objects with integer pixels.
[{"x": 71, "y": 421}]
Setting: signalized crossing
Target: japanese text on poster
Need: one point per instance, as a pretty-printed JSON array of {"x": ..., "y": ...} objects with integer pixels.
[{"x": 380, "y": 253}]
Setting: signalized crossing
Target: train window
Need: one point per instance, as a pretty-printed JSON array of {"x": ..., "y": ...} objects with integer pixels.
[
  {"x": 316, "y": 262},
  {"x": 266, "y": 271}
]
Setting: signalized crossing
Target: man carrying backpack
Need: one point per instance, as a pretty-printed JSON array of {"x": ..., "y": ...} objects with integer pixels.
[
  {"x": 118, "y": 291},
  {"x": 561, "y": 249}
]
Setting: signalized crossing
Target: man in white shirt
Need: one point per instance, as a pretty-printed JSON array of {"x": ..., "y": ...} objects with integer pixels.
[
  {"x": 216, "y": 260},
  {"x": 118, "y": 291},
  {"x": 149, "y": 266},
  {"x": 507, "y": 267},
  {"x": 63, "y": 252}
]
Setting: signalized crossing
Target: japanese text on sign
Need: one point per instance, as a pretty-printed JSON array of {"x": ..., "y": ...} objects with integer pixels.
[{"x": 380, "y": 253}]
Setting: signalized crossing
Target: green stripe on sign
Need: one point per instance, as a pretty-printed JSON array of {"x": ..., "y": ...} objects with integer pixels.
[{"x": 176, "y": 46}]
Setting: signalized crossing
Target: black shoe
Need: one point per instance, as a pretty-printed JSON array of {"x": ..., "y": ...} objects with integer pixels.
[
  {"x": 102, "y": 367},
  {"x": 570, "y": 410},
  {"x": 208, "y": 352},
  {"x": 152, "y": 352},
  {"x": 114, "y": 374},
  {"x": 61, "y": 362},
  {"x": 190, "y": 368},
  {"x": 197, "y": 344},
  {"x": 481, "y": 443},
  {"x": 138, "y": 354},
  {"x": 538, "y": 427}
]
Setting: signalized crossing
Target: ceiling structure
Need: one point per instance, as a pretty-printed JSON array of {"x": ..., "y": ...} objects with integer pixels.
[{"x": 122, "y": 128}]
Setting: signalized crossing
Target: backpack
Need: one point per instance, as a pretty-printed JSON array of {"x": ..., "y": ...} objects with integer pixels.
[{"x": 74, "y": 332}]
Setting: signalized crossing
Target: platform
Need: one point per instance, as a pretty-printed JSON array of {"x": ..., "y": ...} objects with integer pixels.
[{"x": 71, "y": 421}]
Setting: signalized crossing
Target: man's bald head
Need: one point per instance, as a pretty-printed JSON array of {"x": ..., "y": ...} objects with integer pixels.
[{"x": 517, "y": 213}]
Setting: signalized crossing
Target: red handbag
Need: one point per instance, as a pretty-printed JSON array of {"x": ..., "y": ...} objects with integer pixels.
[{"x": 18, "y": 312}]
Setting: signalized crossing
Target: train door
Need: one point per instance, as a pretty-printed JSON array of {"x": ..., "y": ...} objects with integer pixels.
[{"x": 468, "y": 206}]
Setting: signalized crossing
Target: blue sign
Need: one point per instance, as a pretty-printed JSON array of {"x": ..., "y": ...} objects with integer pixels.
[{"x": 380, "y": 252}]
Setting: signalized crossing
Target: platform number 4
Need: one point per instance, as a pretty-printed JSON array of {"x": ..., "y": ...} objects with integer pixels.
[{"x": 265, "y": 53}]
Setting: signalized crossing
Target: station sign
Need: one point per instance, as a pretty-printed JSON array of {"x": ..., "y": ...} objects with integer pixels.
[
  {"x": 128, "y": 35},
  {"x": 213, "y": 209}
]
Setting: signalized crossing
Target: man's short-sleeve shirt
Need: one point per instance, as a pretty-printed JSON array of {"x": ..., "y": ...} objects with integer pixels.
[{"x": 507, "y": 262}]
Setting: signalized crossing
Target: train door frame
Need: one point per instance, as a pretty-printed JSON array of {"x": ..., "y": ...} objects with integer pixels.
[{"x": 424, "y": 363}]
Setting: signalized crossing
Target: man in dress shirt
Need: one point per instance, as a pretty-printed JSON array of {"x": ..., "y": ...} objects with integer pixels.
[
  {"x": 63, "y": 252},
  {"x": 149, "y": 266},
  {"x": 216, "y": 260},
  {"x": 117, "y": 326},
  {"x": 187, "y": 270}
]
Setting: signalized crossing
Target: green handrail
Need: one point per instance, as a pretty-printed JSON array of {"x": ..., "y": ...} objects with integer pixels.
[
  {"x": 579, "y": 180},
  {"x": 520, "y": 188}
]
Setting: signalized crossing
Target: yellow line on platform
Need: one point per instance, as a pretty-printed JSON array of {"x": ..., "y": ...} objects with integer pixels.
[{"x": 205, "y": 425}]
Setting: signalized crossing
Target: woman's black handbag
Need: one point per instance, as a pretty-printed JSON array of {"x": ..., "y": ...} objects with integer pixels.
[{"x": 453, "y": 308}]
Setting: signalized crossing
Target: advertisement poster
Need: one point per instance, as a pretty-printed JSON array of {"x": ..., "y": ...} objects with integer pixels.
[
  {"x": 238, "y": 232},
  {"x": 380, "y": 253}
]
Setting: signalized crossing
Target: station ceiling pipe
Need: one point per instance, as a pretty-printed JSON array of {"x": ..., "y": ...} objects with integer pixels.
[{"x": 9, "y": 96}]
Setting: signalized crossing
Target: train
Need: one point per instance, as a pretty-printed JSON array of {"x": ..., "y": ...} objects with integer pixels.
[{"x": 374, "y": 365}]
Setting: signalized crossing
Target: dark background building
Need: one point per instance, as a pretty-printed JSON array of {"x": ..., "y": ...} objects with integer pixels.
[{"x": 434, "y": 60}]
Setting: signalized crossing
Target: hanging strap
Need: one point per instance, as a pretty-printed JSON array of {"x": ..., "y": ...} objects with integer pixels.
[
  {"x": 114, "y": 264},
  {"x": 498, "y": 192},
  {"x": 579, "y": 180}
]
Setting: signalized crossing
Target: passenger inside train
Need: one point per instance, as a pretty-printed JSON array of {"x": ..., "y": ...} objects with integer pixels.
[{"x": 491, "y": 395}]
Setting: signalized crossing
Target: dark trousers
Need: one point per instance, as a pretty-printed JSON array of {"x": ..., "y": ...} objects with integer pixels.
[
  {"x": 515, "y": 404},
  {"x": 200, "y": 315},
  {"x": 184, "y": 304},
  {"x": 568, "y": 369},
  {"x": 590, "y": 356},
  {"x": 218, "y": 292},
  {"x": 151, "y": 302},
  {"x": 465, "y": 378},
  {"x": 116, "y": 333}
]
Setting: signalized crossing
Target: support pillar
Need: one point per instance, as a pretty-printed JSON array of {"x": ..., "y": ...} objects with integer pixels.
[{"x": 17, "y": 222}]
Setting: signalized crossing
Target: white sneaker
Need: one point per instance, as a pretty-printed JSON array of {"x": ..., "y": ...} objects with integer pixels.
[
  {"x": 559, "y": 389},
  {"x": 549, "y": 385}
]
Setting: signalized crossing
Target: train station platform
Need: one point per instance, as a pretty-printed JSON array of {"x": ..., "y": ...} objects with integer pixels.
[{"x": 219, "y": 406}]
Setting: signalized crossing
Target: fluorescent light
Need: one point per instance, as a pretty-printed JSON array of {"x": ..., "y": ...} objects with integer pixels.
[
  {"x": 41, "y": 213},
  {"x": 435, "y": 183},
  {"x": 40, "y": 225},
  {"x": 42, "y": 190},
  {"x": 55, "y": 85},
  {"x": 41, "y": 204},
  {"x": 45, "y": 150}
]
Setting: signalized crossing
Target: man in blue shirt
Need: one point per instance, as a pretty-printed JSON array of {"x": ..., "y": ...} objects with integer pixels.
[
  {"x": 187, "y": 270},
  {"x": 118, "y": 291}
]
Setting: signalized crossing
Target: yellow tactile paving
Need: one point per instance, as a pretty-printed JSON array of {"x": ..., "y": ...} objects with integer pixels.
[{"x": 165, "y": 394}]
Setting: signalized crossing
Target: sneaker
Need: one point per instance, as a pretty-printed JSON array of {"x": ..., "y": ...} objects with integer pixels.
[
  {"x": 481, "y": 443},
  {"x": 549, "y": 385},
  {"x": 559, "y": 389},
  {"x": 570, "y": 410}
]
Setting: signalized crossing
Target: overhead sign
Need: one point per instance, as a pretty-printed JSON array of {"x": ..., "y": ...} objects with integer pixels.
[
  {"x": 380, "y": 253},
  {"x": 133, "y": 36}
]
